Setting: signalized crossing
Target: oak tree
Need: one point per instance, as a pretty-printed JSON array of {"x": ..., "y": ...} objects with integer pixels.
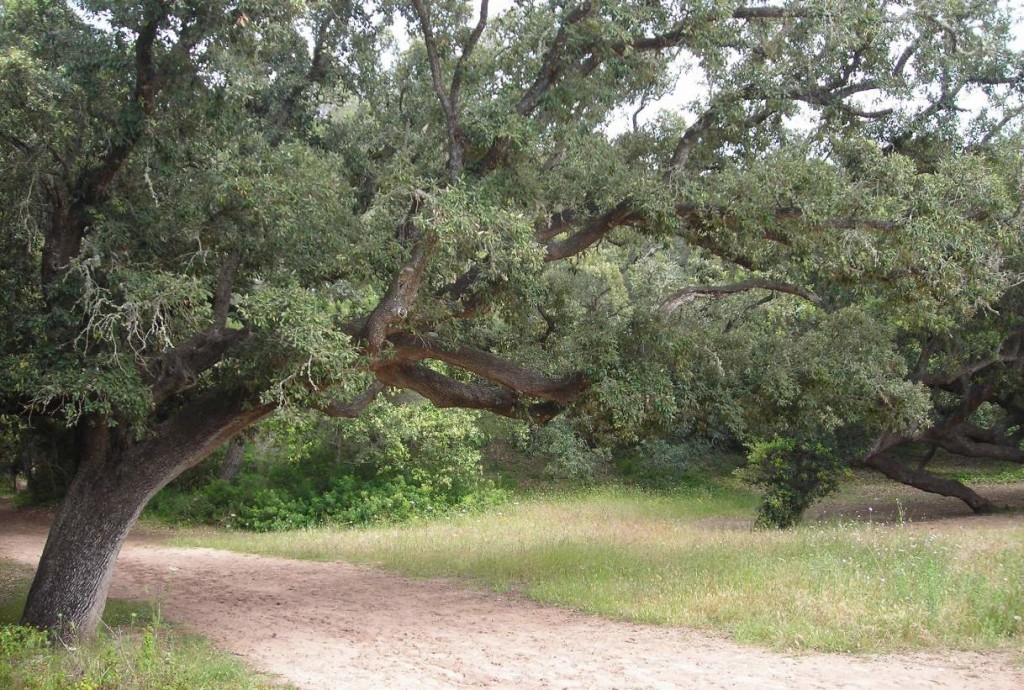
[{"x": 210, "y": 210}]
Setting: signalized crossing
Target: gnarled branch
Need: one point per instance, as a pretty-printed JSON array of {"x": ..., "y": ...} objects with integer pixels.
[
  {"x": 395, "y": 304},
  {"x": 178, "y": 369}
]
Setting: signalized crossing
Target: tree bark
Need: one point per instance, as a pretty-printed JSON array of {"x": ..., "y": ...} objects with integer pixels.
[
  {"x": 116, "y": 478},
  {"x": 926, "y": 481},
  {"x": 71, "y": 582},
  {"x": 232, "y": 464}
]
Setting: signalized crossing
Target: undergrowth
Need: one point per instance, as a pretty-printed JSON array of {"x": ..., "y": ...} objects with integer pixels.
[{"x": 395, "y": 463}]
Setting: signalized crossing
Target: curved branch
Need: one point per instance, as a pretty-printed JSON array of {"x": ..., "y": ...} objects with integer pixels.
[
  {"x": 444, "y": 391},
  {"x": 491, "y": 367},
  {"x": 926, "y": 481}
]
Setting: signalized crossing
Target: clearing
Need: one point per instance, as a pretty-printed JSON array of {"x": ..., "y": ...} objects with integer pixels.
[{"x": 335, "y": 625}]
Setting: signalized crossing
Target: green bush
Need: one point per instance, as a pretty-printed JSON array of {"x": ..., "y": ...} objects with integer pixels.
[
  {"x": 566, "y": 455},
  {"x": 663, "y": 464},
  {"x": 394, "y": 463},
  {"x": 793, "y": 475}
]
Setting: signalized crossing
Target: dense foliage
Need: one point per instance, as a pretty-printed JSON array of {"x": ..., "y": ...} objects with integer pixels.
[
  {"x": 393, "y": 463},
  {"x": 793, "y": 475},
  {"x": 215, "y": 210}
]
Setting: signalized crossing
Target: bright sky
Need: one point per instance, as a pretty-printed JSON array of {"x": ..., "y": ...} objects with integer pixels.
[{"x": 689, "y": 85}]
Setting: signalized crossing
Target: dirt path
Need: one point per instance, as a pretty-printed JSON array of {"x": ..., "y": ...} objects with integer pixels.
[{"x": 334, "y": 625}]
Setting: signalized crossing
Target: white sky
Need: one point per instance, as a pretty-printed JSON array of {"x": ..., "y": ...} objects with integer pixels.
[{"x": 690, "y": 86}]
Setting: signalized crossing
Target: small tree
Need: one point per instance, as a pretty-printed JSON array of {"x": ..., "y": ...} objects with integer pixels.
[{"x": 792, "y": 475}]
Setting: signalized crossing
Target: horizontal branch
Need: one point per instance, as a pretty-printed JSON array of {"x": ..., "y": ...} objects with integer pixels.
[
  {"x": 444, "y": 391},
  {"x": 948, "y": 378},
  {"x": 556, "y": 224},
  {"x": 592, "y": 232},
  {"x": 691, "y": 293},
  {"x": 768, "y": 13},
  {"x": 1011, "y": 352},
  {"x": 563, "y": 390},
  {"x": 958, "y": 440}
]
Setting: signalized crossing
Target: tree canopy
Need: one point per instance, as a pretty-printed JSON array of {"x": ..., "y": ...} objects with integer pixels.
[{"x": 214, "y": 209}]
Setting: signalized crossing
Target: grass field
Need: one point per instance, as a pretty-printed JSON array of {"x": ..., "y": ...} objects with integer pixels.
[
  {"x": 694, "y": 560},
  {"x": 133, "y": 650}
]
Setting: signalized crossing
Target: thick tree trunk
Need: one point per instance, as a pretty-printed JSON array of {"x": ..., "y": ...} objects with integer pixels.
[
  {"x": 926, "y": 481},
  {"x": 116, "y": 478},
  {"x": 71, "y": 583}
]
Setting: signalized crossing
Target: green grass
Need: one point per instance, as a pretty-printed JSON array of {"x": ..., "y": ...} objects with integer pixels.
[
  {"x": 694, "y": 560},
  {"x": 989, "y": 473},
  {"x": 133, "y": 650}
]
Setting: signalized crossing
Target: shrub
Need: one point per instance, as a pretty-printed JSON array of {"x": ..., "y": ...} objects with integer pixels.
[
  {"x": 668, "y": 464},
  {"x": 792, "y": 474},
  {"x": 394, "y": 463},
  {"x": 565, "y": 454}
]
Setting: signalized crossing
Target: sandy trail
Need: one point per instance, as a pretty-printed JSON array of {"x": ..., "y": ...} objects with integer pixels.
[{"x": 334, "y": 625}]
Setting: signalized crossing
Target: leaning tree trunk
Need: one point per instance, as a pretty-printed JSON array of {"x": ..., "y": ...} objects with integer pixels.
[
  {"x": 116, "y": 478},
  {"x": 926, "y": 481}
]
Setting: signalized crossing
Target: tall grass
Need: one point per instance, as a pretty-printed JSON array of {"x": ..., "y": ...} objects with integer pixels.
[
  {"x": 133, "y": 650},
  {"x": 695, "y": 561}
]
